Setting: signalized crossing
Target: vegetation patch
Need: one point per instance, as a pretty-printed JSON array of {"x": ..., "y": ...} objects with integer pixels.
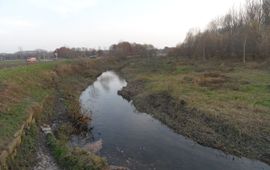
[
  {"x": 26, "y": 154},
  {"x": 74, "y": 158},
  {"x": 213, "y": 80},
  {"x": 183, "y": 69}
]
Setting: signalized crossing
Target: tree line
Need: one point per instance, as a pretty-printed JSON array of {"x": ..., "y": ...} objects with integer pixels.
[
  {"x": 22, "y": 55},
  {"x": 66, "y": 52},
  {"x": 242, "y": 34},
  {"x": 125, "y": 49},
  {"x": 121, "y": 49}
]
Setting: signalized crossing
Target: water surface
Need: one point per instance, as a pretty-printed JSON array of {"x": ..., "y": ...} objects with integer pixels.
[{"x": 139, "y": 141}]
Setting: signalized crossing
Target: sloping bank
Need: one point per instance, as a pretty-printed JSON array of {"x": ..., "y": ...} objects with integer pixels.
[
  {"x": 166, "y": 89},
  {"x": 29, "y": 97}
]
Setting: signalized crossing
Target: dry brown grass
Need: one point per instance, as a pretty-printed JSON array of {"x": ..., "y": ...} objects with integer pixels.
[
  {"x": 212, "y": 80},
  {"x": 94, "y": 147},
  {"x": 11, "y": 94},
  {"x": 63, "y": 70}
]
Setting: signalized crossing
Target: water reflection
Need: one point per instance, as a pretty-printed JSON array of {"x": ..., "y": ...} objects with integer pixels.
[
  {"x": 105, "y": 82},
  {"x": 138, "y": 141}
]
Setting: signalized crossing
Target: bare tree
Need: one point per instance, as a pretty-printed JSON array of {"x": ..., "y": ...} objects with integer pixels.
[{"x": 240, "y": 34}]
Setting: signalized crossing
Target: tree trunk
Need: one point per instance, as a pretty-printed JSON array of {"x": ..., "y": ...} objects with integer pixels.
[
  {"x": 244, "y": 50},
  {"x": 204, "y": 58}
]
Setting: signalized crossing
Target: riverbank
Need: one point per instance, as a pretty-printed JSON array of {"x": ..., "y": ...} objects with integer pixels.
[
  {"x": 28, "y": 97},
  {"x": 140, "y": 141},
  {"x": 215, "y": 104}
]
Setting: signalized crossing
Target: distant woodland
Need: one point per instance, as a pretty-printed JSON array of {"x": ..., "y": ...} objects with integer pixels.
[{"x": 242, "y": 34}]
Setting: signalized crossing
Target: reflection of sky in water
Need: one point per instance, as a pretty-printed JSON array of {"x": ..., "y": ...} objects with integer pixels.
[
  {"x": 136, "y": 140},
  {"x": 107, "y": 84}
]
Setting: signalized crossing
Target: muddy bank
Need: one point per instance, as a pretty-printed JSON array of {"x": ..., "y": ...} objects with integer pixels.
[
  {"x": 206, "y": 129},
  {"x": 69, "y": 119}
]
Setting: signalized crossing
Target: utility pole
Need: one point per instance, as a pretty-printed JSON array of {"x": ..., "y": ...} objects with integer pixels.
[
  {"x": 20, "y": 52},
  {"x": 56, "y": 55}
]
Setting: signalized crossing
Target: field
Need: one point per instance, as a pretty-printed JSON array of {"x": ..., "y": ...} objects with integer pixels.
[{"x": 218, "y": 104}]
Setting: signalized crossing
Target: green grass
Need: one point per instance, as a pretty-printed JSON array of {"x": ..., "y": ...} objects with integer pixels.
[
  {"x": 12, "y": 121},
  {"x": 28, "y": 70},
  {"x": 23, "y": 86}
]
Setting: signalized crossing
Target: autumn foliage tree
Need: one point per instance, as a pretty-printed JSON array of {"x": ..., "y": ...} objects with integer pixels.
[
  {"x": 126, "y": 49},
  {"x": 65, "y": 52}
]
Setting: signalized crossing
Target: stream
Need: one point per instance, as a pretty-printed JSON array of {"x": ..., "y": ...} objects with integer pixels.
[{"x": 138, "y": 141}]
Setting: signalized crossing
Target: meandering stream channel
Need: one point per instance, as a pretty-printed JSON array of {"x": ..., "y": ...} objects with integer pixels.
[{"x": 139, "y": 141}]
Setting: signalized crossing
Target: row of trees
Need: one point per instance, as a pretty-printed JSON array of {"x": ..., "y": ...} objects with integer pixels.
[
  {"x": 240, "y": 34},
  {"x": 124, "y": 49},
  {"x": 65, "y": 52},
  {"x": 22, "y": 55}
]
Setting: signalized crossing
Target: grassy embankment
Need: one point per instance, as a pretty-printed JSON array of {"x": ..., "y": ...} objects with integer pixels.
[
  {"x": 221, "y": 105},
  {"x": 35, "y": 89},
  {"x": 20, "y": 89}
]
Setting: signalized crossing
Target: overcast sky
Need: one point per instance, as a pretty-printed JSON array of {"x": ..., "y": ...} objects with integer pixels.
[{"x": 47, "y": 24}]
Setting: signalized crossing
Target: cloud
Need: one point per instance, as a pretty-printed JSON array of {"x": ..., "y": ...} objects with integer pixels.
[{"x": 64, "y": 7}]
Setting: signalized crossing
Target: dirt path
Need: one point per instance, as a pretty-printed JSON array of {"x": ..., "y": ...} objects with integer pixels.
[{"x": 44, "y": 157}]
